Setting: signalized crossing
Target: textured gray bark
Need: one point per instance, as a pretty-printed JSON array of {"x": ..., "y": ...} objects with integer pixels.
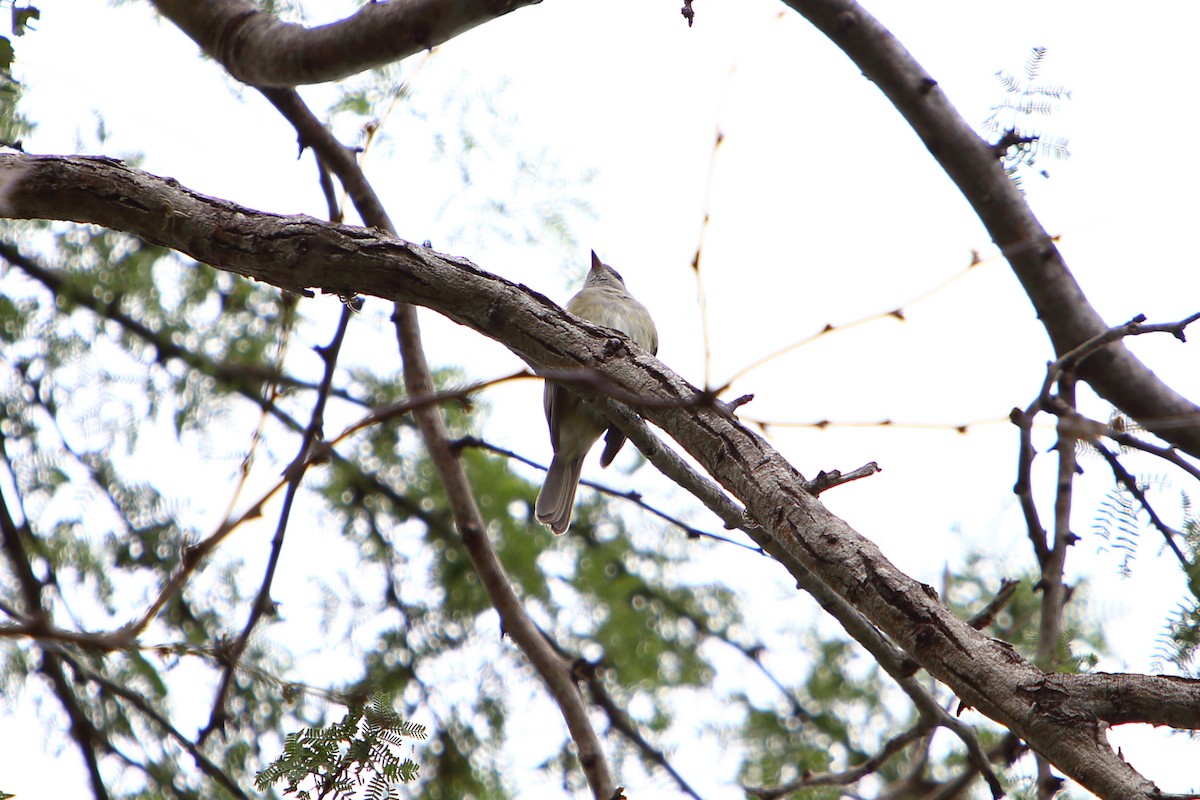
[{"x": 1061, "y": 716}]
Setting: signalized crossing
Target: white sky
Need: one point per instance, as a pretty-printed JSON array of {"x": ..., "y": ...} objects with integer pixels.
[{"x": 825, "y": 208}]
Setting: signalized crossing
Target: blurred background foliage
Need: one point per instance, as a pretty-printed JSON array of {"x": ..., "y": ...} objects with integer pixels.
[{"x": 142, "y": 396}]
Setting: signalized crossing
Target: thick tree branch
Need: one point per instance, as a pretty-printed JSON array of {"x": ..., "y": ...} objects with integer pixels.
[
  {"x": 300, "y": 252},
  {"x": 1153, "y": 699},
  {"x": 971, "y": 163},
  {"x": 261, "y": 50}
]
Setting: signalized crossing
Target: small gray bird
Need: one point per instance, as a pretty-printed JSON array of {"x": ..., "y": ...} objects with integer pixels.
[{"x": 575, "y": 424}]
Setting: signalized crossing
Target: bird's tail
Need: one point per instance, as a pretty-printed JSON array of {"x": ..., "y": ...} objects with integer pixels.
[{"x": 556, "y": 500}]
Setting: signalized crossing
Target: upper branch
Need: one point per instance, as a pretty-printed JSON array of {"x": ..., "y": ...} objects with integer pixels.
[
  {"x": 261, "y": 50},
  {"x": 971, "y": 163}
]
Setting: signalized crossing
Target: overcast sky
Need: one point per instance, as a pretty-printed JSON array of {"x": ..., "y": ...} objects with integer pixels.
[{"x": 824, "y": 208}]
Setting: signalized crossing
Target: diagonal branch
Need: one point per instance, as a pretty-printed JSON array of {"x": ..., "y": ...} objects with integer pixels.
[
  {"x": 138, "y": 701},
  {"x": 971, "y": 163},
  {"x": 848, "y": 776},
  {"x": 313, "y": 434},
  {"x": 262, "y": 50}
]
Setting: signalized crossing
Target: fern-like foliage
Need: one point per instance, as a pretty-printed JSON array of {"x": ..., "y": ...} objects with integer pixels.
[
  {"x": 1116, "y": 522},
  {"x": 343, "y": 757},
  {"x": 1179, "y": 645},
  {"x": 1018, "y": 142}
]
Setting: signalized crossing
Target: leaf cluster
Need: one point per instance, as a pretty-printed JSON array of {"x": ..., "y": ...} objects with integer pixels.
[
  {"x": 1026, "y": 97},
  {"x": 340, "y": 758}
]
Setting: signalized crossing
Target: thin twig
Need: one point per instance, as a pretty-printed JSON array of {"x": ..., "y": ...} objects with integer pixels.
[
  {"x": 986, "y": 615},
  {"x": 825, "y": 424},
  {"x": 294, "y": 474},
  {"x": 828, "y": 480},
  {"x": 632, "y": 495},
  {"x": 313, "y": 434},
  {"x": 589, "y": 673},
  {"x": 845, "y": 777},
  {"x": 138, "y": 701},
  {"x": 702, "y": 295},
  {"x": 896, "y": 313},
  {"x": 407, "y": 406},
  {"x": 1023, "y": 488},
  {"x": 1130, "y": 483}
]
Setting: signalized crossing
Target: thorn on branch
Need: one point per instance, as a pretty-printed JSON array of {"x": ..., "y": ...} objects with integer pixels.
[
  {"x": 690, "y": 16},
  {"x": 827, "y": 480},
  {"x": 733, "y": 405},
  {"x": 1011, "y": 139}
]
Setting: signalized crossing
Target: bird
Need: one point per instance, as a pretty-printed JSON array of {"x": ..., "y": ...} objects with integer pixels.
[{"x": 575, "y": 424}]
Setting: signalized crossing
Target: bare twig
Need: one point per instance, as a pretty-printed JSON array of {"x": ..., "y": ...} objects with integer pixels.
[
  {"x": 1073, "y": 426},
  {"x": 828, "y": 480},
  {"x": 589, "y": 673},
  {"x": 845, "y": 777},
  {"x": 986, "y": 615},
  {"x": 699, "y": 254},
  {"x": 971, "y": 163},
  {"x": 138, "y": 701},
  {"x": 632, "y": 495},
  {"x": 1168, "y": 454},
  {"x": 404, "y": 407},
  {"x": 896, "y": 313},
  {"x": 1023, "y": 488},
  {"x": 1130, "y": 483},
  {"x": 294, "y": 474},
  {"x": 825, "y": 424}
]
